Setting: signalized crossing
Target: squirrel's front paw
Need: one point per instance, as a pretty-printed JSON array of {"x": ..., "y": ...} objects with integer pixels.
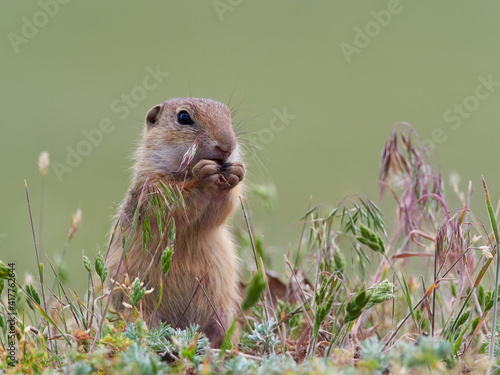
[
  {"x": 225, "y": 176},
  {"x": 232, "y": 174}
]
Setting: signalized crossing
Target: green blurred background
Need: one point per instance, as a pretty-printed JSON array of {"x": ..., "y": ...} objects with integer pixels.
[{"x": 346, "y": 70}]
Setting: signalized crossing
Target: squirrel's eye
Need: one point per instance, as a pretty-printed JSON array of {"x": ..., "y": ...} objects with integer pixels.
[{"x": 184, "y": 118}]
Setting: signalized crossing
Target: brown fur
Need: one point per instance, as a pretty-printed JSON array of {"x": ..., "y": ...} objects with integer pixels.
[{"x": 203, "y": 248}]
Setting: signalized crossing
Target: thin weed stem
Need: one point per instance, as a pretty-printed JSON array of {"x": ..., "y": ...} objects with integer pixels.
[
  {"x": 41, "y": 222},
  {"x": 250, "y": 235},
  {"x": 39, "y": 266},
  {"x": 258, "y": 265},
  {"x": 494, "y": 226},
  {"x": 212, "y": 306}
]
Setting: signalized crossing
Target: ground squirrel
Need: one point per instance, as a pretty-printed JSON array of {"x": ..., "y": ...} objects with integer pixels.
[{"x": 188, "y": 145}]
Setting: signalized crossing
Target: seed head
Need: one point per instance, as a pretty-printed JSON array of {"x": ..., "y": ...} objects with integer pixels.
[
  {"x": 28, "y": 279},
  {"x": 43, "y": 163},
  {"x": 76, "y": 219},
  {"x": 486, "y": 251}
]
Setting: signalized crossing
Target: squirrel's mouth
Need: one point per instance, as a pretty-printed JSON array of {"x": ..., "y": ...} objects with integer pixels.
[
  {"x": 219, "y": 161},
  {"x": 198, "y": 158},
  {"x": 225, "y": 166},
  {"x": 214, "y": 155}
]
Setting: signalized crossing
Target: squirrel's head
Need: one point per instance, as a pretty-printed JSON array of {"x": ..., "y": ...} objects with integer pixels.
[{"x": 189, "y": 129}]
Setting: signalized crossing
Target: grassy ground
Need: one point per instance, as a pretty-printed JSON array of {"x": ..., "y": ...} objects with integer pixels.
[{"x": 359, "y": 295}]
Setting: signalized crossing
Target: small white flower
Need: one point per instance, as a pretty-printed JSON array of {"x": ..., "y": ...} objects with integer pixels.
[
  {"x": 28, "y": 279},
  {"x": 76, "y": 218},
  {"x": 43, "y": 163}
]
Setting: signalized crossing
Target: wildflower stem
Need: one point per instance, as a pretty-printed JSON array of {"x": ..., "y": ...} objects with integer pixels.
[
  {"x": 40, "y": 224},
  {"x": 308, "y": 212},
  {"x": 497, "y": 275},
  {"x": 212, "y": 306},
  {"x": 258, "y": 265},
  {"x": 404, "y": 289},
  {"x": 40, "y": 274},
  {"x": 249, "y": 232}
]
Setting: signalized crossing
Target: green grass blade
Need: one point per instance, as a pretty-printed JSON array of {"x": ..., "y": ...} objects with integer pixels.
[{"x": 494, "y": 225}]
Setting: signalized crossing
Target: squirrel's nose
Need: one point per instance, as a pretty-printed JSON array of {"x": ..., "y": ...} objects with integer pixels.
[{"x": 224, "y": 150}]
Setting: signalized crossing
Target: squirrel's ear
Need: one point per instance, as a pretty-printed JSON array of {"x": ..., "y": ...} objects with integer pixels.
[{"x": 153, "y": 115}]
